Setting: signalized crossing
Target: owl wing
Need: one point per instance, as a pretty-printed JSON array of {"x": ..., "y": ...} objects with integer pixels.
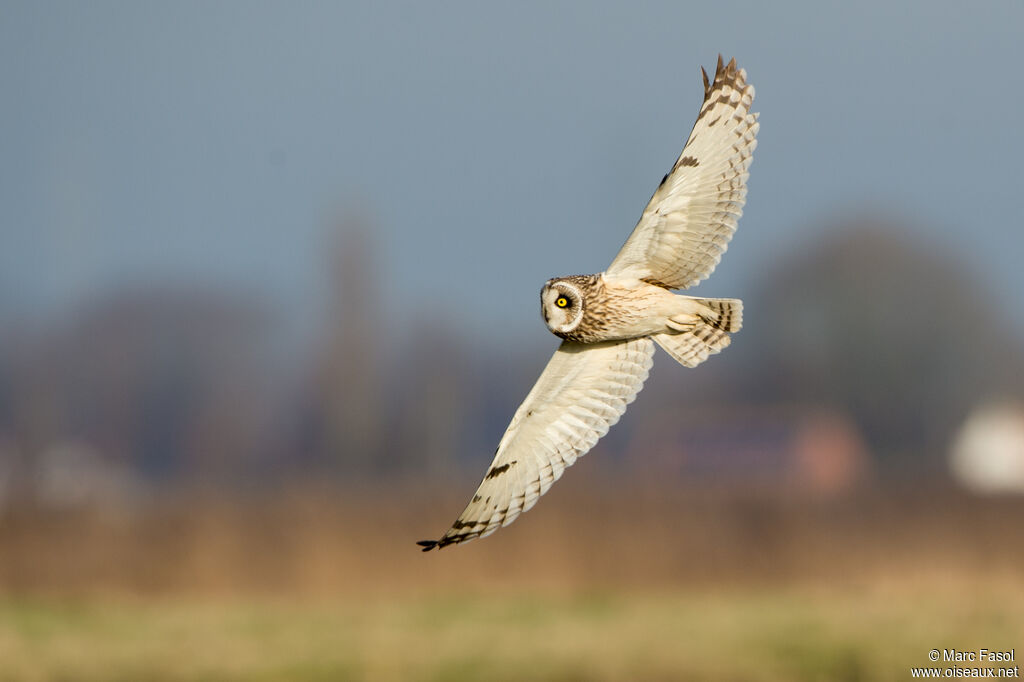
[
  {"x": 580, "y": 394},
  {"x": 689, "y": 221}
]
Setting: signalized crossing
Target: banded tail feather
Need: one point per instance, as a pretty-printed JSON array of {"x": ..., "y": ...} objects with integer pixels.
[
  {"x": 694, "y": 342},
  {"x": 726, "y": 313}
]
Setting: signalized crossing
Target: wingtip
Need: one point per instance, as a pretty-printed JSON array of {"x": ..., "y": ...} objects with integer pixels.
[
  {"x": 427, "y": 545},
  {"x": 725, "y": 72}
]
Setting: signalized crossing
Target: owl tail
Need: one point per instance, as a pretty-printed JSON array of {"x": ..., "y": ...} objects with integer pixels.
[{"x": 693, "y": 337}]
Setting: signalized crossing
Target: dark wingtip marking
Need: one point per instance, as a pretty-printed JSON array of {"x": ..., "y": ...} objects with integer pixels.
[
  {"x": 724, "y": 74},
  {"x": 428, "y": 545},
  {"x": 688, "y": 161}
]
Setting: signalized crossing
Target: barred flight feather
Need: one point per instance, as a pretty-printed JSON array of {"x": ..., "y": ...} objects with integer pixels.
[
  {"x": 699, "y": 201},
  {"x": 599, "y": 380}
]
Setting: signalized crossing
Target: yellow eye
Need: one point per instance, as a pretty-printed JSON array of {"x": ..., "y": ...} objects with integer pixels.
[{"x": 562, "y": 302}]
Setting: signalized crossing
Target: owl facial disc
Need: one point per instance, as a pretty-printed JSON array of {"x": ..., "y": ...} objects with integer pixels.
[{"x": 561, "y": 305}]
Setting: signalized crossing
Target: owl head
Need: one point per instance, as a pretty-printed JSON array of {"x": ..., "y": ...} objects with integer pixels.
[{"x": 561, "y": 305}]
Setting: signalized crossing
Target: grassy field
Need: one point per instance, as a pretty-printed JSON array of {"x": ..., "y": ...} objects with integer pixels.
[
  {"x": 759, "y": 635},
  {"x": 599, "y": 584}
]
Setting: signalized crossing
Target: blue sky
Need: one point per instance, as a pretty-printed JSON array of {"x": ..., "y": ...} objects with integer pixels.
[{"x": 490, "y": 146}]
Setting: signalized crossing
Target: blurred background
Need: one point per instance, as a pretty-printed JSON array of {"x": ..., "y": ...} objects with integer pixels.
[{"x": 268, "y": 299}]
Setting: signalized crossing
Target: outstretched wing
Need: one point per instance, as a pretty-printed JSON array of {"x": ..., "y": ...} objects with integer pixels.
[
  {"x": 583, "y": 391},
  {"x": 689, "y": 221}
]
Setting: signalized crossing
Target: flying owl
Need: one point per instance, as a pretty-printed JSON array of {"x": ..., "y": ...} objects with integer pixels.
[{"x": 609, "y": 322}]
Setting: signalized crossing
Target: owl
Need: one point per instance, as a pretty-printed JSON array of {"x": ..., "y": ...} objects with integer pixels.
[{"x": 610, "y": 322}]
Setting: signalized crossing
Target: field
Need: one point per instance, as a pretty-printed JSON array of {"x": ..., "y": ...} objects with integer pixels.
[
  {"x": 762, "y": 635},
  {"x": 772, "y": 589}
]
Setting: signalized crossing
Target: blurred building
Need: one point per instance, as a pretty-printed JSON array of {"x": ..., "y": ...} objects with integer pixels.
[
  {"x": 987, "y": 455},
  {"x": 801, "y": 450},
  {"x": 73, "y": 474}
]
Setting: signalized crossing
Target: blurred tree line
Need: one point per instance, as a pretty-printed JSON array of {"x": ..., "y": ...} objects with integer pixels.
[
  {"x": 887, "y": 327},
  {"x": 182, "y": 386}
]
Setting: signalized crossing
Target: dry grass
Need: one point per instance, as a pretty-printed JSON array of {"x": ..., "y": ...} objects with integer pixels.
[
  {"x": 598, "y": 583},
  {"x": 759, "y": 635},
  {"x": 587, "y": 536}
]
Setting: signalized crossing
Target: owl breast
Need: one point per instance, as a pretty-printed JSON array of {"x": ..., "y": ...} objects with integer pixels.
[{"x": 613, "y": 310}]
